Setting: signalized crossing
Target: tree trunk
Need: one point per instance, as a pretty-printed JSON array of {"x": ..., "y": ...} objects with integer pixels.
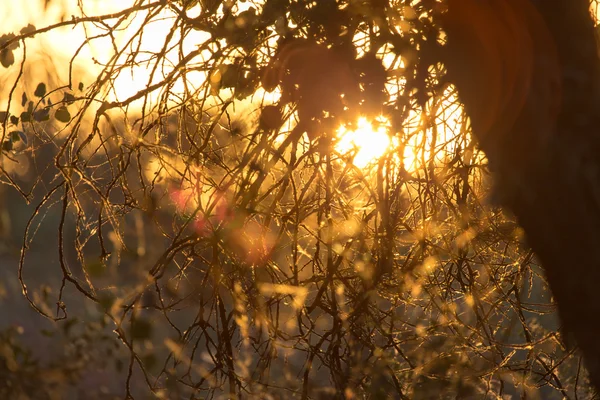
[{"x": 543, "y": 144}]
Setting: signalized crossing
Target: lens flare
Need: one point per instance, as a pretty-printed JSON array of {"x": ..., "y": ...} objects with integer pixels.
[{"x": 366, "y": 143}]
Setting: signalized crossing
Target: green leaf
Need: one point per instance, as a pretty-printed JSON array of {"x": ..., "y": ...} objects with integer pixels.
[
  {"x": 62, "y": 114},
  {"x": 80, "y": 86},
  {"x": 40, "y": 90},
  {"x": 23, "y": 99},
  {"x": 14, "y": 119},
  {"x": 25, "y": 116}
]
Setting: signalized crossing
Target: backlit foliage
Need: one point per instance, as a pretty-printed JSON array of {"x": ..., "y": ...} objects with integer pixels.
[{"x": 204, "y": 193}]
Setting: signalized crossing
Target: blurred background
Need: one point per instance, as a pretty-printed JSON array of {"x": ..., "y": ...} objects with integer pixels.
[{"x": 200, "y": 206}]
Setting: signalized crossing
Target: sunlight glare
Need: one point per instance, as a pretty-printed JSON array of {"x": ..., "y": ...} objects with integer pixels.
[{"x": 368, "y": 143}]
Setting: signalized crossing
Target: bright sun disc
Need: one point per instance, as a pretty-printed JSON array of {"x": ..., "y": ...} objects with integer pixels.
[{"x": 367, "y": 143}]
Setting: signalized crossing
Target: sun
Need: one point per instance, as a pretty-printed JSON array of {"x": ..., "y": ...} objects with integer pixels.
[{"x": 367, "y": 143}]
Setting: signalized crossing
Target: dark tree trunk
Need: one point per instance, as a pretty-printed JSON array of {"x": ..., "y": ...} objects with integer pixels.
[{"x": 545, "y": 160}]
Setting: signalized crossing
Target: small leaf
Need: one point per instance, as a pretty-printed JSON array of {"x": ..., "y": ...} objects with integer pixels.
[
  {"x": 68, "y": 98},
  {"x": 24, "y": 99},
  {"x": 7, "y": 146},
  {"x": 8, "y": 37},
  {"x": 25, "y": 116},
  {"x": 41, "y": 115},
  {"x": 7, "y": 58},
  {"x": 270, "y": 117},
  {"x": 28, "y": 29},
  {"x": 17, "y": 136},
  {"x": 40, "y": 90},
  {"x": 230, "y": 75},
  {"x": 80, "y": 86},
  {"x": 14, "y": 119},
  {"x": 62, "y": 114}
]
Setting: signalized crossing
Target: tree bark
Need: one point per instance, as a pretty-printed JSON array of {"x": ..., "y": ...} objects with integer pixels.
[{"x": 544, "y": 152}]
